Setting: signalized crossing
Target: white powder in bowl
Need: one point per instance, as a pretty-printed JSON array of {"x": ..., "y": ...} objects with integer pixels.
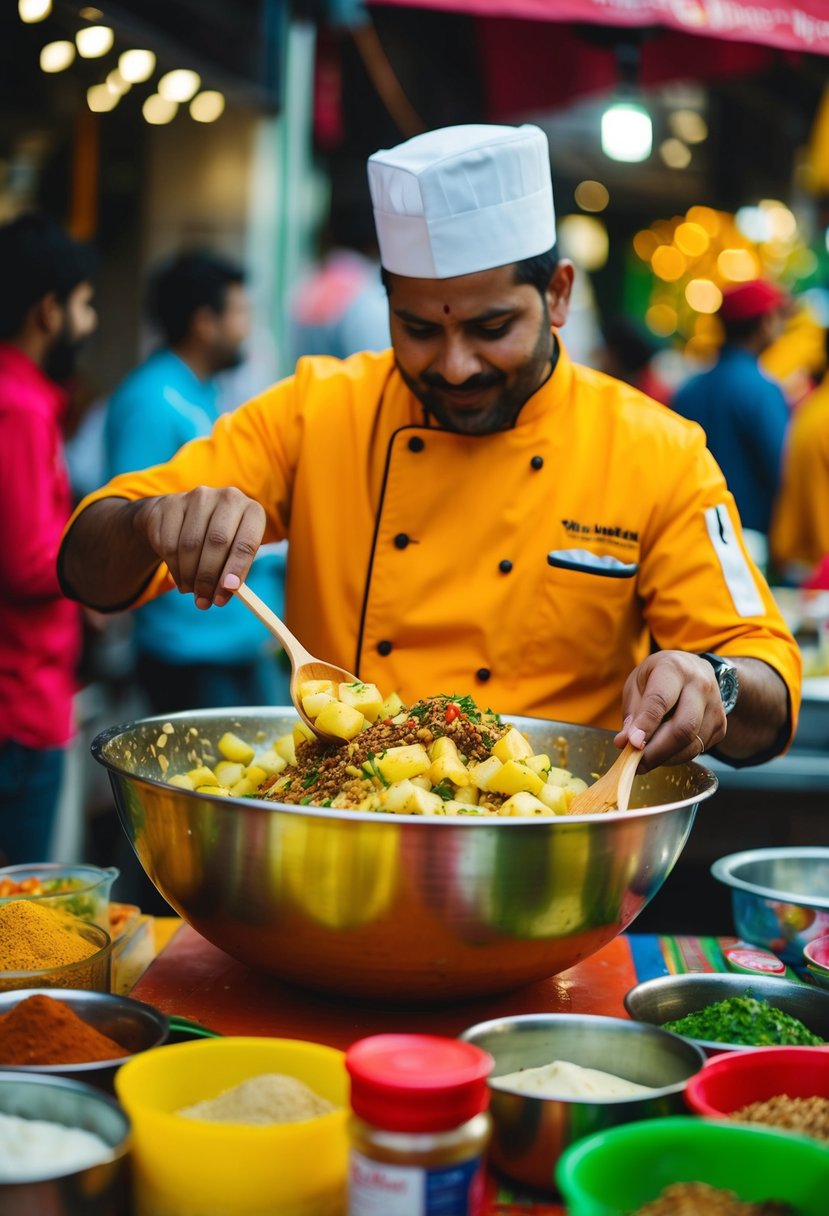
[
  {"x": 564, "y": 1080},
  {"x": 33, "y": 1148}
]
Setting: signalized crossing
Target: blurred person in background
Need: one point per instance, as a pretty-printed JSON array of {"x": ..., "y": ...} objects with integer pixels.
[
  {"x": 800, "y": 525},
  {"x": 185, "y": 659},
  {"x": 743, "y": 412},
  {"x": 46, "y": 312},
  {"x": 471, "y": 510},
  {"x": 340, "y": 307},
  {"x": 627, "y": 353}
]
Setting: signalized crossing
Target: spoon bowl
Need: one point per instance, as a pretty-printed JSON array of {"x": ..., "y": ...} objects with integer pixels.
[
  {"x": 303, "y": 665},
  {"x": 612, "y": 790}
]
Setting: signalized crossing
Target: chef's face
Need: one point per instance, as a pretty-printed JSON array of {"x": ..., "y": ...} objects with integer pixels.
[{"x": 473, "y": 349}]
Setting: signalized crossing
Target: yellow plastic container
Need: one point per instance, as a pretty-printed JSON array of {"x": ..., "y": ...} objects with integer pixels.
[{"x": 185, "y": 1167}]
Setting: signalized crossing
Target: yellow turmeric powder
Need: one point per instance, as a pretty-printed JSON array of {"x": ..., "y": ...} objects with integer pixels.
[{"x": 33, "y": 938}]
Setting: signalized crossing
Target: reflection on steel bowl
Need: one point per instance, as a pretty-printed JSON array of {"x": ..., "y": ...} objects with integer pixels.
[
  {"x": 395, "y": 907},
  {"x": 779, "y": 897}
]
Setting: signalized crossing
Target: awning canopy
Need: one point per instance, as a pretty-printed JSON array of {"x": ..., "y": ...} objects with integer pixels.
[{"x": 799, "y": 26}]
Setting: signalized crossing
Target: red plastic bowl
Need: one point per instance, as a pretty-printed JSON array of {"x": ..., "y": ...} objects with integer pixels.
[{"x": 729, "y": 1081}]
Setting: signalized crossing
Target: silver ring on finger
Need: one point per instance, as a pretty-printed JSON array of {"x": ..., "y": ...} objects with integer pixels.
[{"x": 701, "y": 746}]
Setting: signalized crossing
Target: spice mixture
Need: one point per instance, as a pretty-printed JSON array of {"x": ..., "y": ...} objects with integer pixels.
[
  {"x": 269, "y": 1098},
  {"x": 41, "y": 1030},
  {"x": 700, "y": 1199},
  {"x": 33, "y": 938},
  {"x": 809, "y": 1116},
  {"x": 747, "y": 1021},
  {"x": 327, "y": 776}
]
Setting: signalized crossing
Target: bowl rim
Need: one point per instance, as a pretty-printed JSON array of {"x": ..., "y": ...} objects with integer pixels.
[
  {"x": 597, "y": 1021},
  {"x": 723, "y": 870},
  {"x": 823, "y": 968},
  {"x": 740, "y": 1062},
  {"x": 12, "y": 997},
  {"x": 63, "y": 968},
  {"x": 769, "y": 984},
  {"x": 104, "y": 737}
]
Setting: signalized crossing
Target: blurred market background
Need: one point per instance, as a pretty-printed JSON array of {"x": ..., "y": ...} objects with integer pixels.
[{"x": 690, "y": 151}]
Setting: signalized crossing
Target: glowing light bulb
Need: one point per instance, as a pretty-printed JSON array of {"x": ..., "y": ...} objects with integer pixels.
[
  {"x": 93, "y": 41},
  {"x": 207, "y": 106},
  {"x": 136, "y": 66},
  {"x": 159, "y": 110},
  {"x": 179, "y": 85},
  {"x": 31, "y": 11},
  {"x": 100, "y": 98},
  {"x": 627, "y": 132},
  {"x": 57, "y": 56}
]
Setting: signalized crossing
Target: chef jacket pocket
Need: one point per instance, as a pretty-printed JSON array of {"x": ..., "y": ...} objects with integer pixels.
[{"x": 582, "y": 561}]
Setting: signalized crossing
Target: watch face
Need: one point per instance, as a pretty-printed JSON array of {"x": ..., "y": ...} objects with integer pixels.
[{"x": 729, "y": 686}]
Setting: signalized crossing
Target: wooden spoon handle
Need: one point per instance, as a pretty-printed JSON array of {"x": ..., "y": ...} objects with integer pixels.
[
  {"x": 628, "y": 764},
  {"x": 293, "y": 647}
]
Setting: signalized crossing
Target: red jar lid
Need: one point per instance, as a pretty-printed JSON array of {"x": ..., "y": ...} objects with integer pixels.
[{"x": 417, "y": 1082}]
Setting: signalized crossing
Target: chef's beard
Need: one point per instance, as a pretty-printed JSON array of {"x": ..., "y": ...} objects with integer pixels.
[
  {"x": 502, "y": 413},
  {"x": 61, "y": 361}
]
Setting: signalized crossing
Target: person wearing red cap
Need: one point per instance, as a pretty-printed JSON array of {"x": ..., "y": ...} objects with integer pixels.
[{"x": 743, "y": 413}]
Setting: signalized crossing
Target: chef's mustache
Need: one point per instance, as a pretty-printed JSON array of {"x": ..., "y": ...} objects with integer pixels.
[{"x": 475, "y": 384}]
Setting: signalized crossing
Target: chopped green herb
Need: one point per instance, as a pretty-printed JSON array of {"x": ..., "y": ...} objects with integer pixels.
[
  {"x": 306, "y": 801},
  {"x": 444, "y": 790},
  {"x": 326, "y": 802},
  {"x": 418, "y": 711},
  {"x": 311, "y": 778},
  {"x": 747, "y": 1021},
  {"x": 370, "y": 767}
]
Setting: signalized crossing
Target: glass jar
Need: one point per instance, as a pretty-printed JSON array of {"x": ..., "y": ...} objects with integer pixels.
[{"x": 419, "y": 1127}]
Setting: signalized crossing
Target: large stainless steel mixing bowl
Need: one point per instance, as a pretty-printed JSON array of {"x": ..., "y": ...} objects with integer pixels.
[{"x": 397, "y": 907}]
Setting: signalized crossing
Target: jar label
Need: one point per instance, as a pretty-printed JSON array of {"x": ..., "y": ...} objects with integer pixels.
[{"x": 376, "y": 1188}]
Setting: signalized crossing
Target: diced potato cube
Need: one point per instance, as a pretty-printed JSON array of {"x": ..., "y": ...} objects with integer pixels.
[
  {"x": 228, "y": 772},
  {"x": 342, "y": 721},
  {"x": 398, "y": 763},
  {"x": 467, "y": 794},
  {"x": 202, "y": 776},
  {"x": 554, "y": 798},
  {"x": 271, "y": 760},
  {"x": 424, "y": 781},
  {"x": 446, "y": 763},
  {"x": 215, "y": 789},
  {"x": 481, "y": 774},
  {"x": 575, "y": 785},
  {"x": 302, "y": 732},
  {"x": 256, "y": 773},
  {"x": 513, "y": 778},
  {"x": 284, "y": 747},
  {"x": 539, "y": 764},
  {"x": 558, "y": 776},
  {"x": 234, "y": 748},
  {"x": 391, "y": 706},
  {"x": 523, "y": 803},
  {"x": 313, "y": 702},
  {"x": 308, "y": 688},
  {"x": 244, "y": 787},
  {"x": 182, "y": 781},
  {"x": 512, "y": 746},
  {"x": 406, "y": 798},
  {"x": 365, "y": 697}
]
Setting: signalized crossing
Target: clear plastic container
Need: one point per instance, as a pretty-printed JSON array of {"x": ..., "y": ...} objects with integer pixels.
[
  {"x": 77, "y": 890},
  {"x": 91, "y": 973}
]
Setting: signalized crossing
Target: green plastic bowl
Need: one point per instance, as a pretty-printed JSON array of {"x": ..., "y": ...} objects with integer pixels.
[{"x": 613, "y": 1173}]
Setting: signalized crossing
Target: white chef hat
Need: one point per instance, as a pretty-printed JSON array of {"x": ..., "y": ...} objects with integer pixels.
[{"x": 462, "y": 199}]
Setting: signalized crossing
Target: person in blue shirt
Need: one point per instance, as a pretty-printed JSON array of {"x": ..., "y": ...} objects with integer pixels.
[
  {"x": 187, "y": 659},
  {"x": 743, "y": 412}
]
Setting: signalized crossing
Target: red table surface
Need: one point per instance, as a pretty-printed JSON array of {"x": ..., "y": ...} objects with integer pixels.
[{"x": 194, "y": 979}]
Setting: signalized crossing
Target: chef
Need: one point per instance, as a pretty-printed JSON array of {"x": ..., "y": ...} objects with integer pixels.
[{"x": 470, "y": 512}]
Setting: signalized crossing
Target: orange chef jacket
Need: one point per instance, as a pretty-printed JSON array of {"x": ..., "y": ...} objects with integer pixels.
[
  {"x": 419, "y": 558},
  {"x": 800, "y": 524}
]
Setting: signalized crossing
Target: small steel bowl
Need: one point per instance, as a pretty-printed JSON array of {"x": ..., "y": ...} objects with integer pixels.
[
  {"x": 136, "y": 1026},
  {"x": 529, "y": 1132},
  {"x": 97, "y": 1188},
  {"x": 673, "y": 996},
  {"x": 779, "y": 897},
  {"x": 816, "y": 955}
]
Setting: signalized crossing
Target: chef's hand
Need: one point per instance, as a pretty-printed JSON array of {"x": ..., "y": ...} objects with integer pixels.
[
  {"x": 208, "y": 538},
  {"x": 672, "y": 709}
]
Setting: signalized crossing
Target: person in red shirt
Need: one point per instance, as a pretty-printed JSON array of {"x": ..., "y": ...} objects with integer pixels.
[{"x": 46, "y": 311}]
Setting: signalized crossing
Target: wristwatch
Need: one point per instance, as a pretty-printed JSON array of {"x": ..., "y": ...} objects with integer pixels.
[{"x": 727, "y": 679}]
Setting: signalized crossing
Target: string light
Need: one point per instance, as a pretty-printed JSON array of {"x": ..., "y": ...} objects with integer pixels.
[
  {"x": 31, "y": 11},
  {"x": 57, "y": 56},
  {"x": 93, "y": 41},
  {"x": 207, "y": 106},
  {"x": 159, "y": 110},
  {"x": 136, "y": 66},
  {"x": 179, "y": 85}
]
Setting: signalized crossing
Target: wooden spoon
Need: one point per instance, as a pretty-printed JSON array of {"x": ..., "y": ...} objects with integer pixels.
[
  {"x": 303, "y": 665},
  {"x": 612, "y": 790}
]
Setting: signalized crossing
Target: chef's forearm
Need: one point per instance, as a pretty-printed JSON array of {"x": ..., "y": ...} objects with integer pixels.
[
  {"x": 761, "y": 715},
  {"x": 105, "y": 560}
]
